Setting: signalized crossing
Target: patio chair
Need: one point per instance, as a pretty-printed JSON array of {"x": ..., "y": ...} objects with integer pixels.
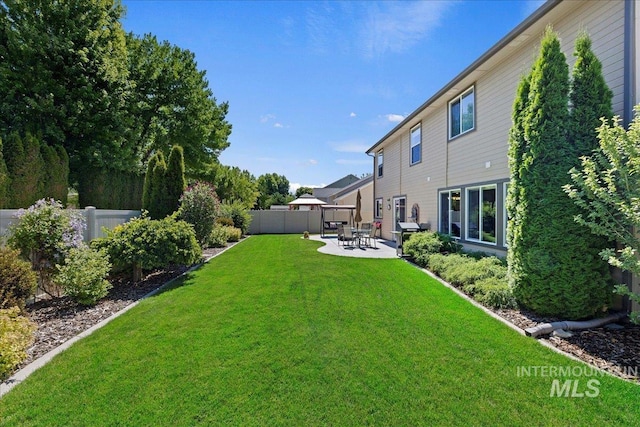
[
  {"x": 369, "y": 234},
  {"x": 340, "y": 230},
  {"x": 348, "y": 236}
]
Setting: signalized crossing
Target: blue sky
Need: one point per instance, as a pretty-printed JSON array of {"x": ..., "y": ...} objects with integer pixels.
[{"x": 312, "y": 85}]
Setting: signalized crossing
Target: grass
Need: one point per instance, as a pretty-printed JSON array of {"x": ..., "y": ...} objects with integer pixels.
[{"x": 274, "y": 333}]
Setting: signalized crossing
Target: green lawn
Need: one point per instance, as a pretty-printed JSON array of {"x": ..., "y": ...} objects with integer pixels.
[{"x": 274, "y": 333}]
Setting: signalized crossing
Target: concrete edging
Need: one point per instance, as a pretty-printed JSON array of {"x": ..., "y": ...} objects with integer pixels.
[{"x": 23, "y": 373}]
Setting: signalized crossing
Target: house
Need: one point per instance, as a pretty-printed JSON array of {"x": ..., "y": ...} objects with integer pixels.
[
  {"x": 446, "y": 163},
  {"x": 325, "y": 193},
  {"x": 348, "y": 195}
]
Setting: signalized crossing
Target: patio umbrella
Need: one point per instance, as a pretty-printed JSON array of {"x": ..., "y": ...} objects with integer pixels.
[{"x": 358, "y": 217}]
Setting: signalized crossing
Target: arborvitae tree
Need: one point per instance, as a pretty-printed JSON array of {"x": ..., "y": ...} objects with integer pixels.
[
  {"x": 548, "y": 265},
  {"x": 56, "y": 172},
  {"x": 175, "y": 182},
  {"x": 516, "y": 208},
  {"x": 4, "y": 180},
  {"x": 158, "y": 206},
  {"x": 148, "y": 180},
  {"x": 26, "y": 170}
]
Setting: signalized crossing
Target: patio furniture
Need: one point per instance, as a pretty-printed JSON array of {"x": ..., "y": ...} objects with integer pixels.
[
  {"x": 348, "y": 236},
  {"x": 370, "y": 236}
]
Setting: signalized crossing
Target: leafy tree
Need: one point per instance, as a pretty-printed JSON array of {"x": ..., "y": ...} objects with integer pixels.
[
  {"x": 549, "y": 258},
  {"x": 172, "y": 101},
  {"x": 303, "y": 190},
  {"x": 607, "y": 190},
  {"x": 232, "y": 184},
  {"x": 63, "y": 75},
  {"x": 174, "y": 181},
  {"x": 272, "y": 189}
]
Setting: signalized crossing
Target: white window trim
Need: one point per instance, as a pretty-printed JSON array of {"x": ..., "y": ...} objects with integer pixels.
[
  {"x": 379, "y": 164},
  {"x": 459, "y": 98},
  {"x": 466, "y": 211},
  {"x": 411, "y": 145}
]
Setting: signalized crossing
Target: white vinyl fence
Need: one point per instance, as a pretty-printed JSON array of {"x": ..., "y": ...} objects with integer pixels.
[
  {"x": 96, "y": 219},
  {"x": 292, "y": 222}
]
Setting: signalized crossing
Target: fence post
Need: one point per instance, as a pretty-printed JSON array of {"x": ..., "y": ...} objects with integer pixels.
[{"x": 90, "y": 212}]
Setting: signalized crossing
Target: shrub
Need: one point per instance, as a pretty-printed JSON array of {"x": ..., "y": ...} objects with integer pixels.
[
  {"x": 235, "y": 234},
  {"x": 239, "y": 214},
  {"x": 421, "y": 245},
  {"x": 220, "y": 235},
  {"x": 224, "y": 221},
  {"x": 82, "y": 276},
  {"x": 494, "y": 292},
  {"x": 44, "y": 235},
  {"x": 449, "y": 244},
  {"x": 17, "y": 280},
  {"x": 16, "y": 335},
  {"x": 143, "y": 243},
  {"x": 199, "y": 206}
]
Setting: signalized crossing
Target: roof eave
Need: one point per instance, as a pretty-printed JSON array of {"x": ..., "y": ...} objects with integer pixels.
[{"x": 523, "y": 26}]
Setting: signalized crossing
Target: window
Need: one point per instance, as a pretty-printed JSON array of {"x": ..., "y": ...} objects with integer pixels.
[
  {"x": 450, "y": 213},
  {"x": 481, "y": 214},
  {"x": 416, "y": 145},
  {"x": 462, "y": 113},
  {"x": 378, "y": 212},
  {"x": 380, "y": 160}
]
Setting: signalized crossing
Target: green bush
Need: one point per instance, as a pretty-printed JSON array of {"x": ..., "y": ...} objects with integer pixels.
[
  {"x": 449, "y": 244},
  {"x": 494, "y": 292},
  {"x": 224, "y": 221},
  {"x": 17, "y": 280},
  {"x": 143, "y": 243},
  {"x": 239, "y": 214},
  {"x": 82, "y": 276},
  {"x": 234, "y": 234},
  {"x": 44, "y": 235},
  {"x": 16, "y": 335},
  {"x": 421, "y": 245},
  {"x": 484, "y": 279},
  {"x": 199, "y": 206}
]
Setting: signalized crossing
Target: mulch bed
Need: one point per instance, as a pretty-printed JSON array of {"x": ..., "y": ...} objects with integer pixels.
[{"x": 614, "y": 350}]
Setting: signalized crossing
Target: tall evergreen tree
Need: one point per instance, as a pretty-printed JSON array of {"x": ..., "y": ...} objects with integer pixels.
[
  {"x": 174, "y": 180},
  {"x": 148, "y": 180},
  {"x": 56, "y": 172},
  {"x": 549, "y": 275},
  {"x": 4, "y": 180},
  {"x": 26, "y": 170},
  {"x": 517, "y": 208},
  {"x": 158, "y": 206}
]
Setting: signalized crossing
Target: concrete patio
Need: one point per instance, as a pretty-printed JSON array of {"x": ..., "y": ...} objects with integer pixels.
[{"x": 382, "y": 249}]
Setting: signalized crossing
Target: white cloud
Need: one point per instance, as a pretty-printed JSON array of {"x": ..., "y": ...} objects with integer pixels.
[
  {"x": 352, "y": 114},
  {"x": 350, "y": 146},
  {"x": 396, "y": 26},
  {"x": 278, "y": 125},
  {"x": 394, "y": 118},
  {"x": 313, "y": 162},
  {"x": 266, "y": 118}
]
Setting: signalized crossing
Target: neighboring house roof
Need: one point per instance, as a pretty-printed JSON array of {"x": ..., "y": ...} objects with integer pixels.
[
  {"x": 327, "y": 191},
  {"x": 353, "y": 187},
  {"x": 495, "y": 53},
  {"x": 343, "y": 182}
]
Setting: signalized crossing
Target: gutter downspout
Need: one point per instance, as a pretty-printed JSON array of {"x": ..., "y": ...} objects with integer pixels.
[{"x": 547, "y": 328}]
